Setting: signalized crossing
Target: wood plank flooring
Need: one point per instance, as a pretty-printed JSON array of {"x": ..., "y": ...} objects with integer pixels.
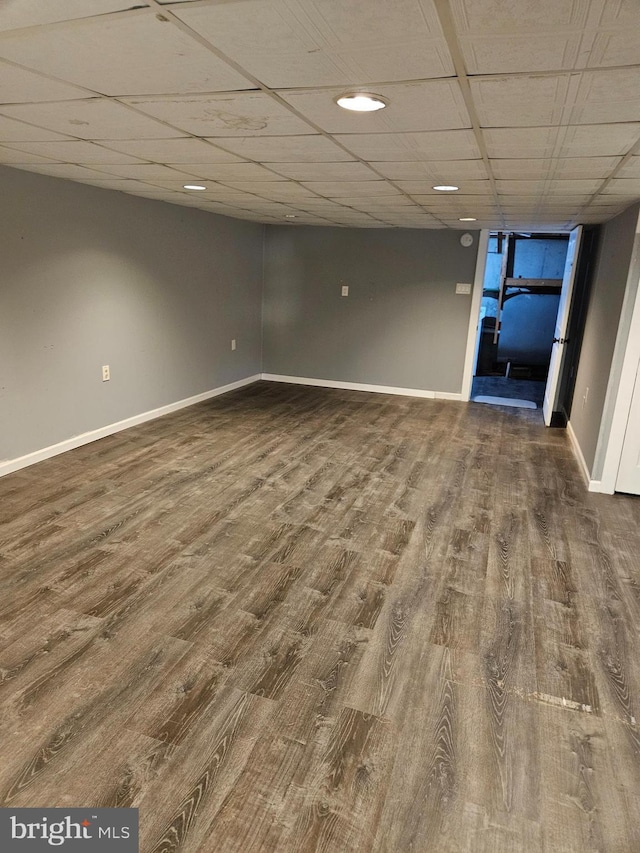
[{"x": 295, "y": 619}]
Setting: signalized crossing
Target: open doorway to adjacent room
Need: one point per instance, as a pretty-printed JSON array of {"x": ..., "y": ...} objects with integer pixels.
[{"x": 518, "y": 313}]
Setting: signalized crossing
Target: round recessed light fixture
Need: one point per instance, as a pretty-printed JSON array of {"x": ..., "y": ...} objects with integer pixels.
[
  {"x": 193, "y": 187},
  {"x": 467, "y": 219},
  {"x": 289, "y": 216},
  {"x": 446, "y": 188},
  {"x": 361, "y": 102}
]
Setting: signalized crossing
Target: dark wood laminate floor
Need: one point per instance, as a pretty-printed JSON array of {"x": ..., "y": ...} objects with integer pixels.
[{"x": 295, "y": 619}]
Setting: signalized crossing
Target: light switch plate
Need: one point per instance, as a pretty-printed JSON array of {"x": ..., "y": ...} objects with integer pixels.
[{"x": 463, "y": 287}]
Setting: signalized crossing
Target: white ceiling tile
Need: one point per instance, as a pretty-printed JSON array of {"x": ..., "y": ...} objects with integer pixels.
[
  {"x": 355, "y": 189},
  {"x": 335, "y": 42},
  {"x": 123, "y": 55},
  {"x": 629, "y": 187},
  {"x": 142, "y": 171},
  {"x": 380, "y": 203},
  {"x": 266, "y": 38},
  {"x": 351, "y": 216},
  {"x": 556, "y": 203},
  {"x": 12, "y": 156},
  {"x": 185, "y": 149},
  {"x": 276, "y": 190},
  {"x": 585, "y": 167},
  {"x": 17, "y": 131},
  {"x": 119, "y": 184},
  {"x": 272, "y": 208},
  {"x": 631, "y": 168},
  {"x": 234, "y": 114},
  {"x": 523, "y": 169},
  {"x": 615, "y": 48},
  {"x": 573, "y": 186},
  {"x": 350, "y": 171},
  {"x": 319, "y": 205},
  {"x": 426, "y": 188},
  {"x": 599, "y": 140},
  {"x": 66, "y": 170},
  {"x": 621, "y": 13},
  {"x": 76, "y": 151},
  {"x": 213, "y": 189},
  {"x": 518, "y": 16},
  {"x": 469, "y": 201},
  {"x": 18, "y": 85},
  {"x": 427, "y": 105},
  {"x": 607, "y": 96},
  {"x": 576, "y": 167},
  {"x": 521, "y": 142},
  {"x": 437, "y": 144},
  {"x": 29, "y": 13},
  {"x": 418, "y": 220},
  {"x": 492, "y": 222},
  {"x": 531, "y": 188},
  {"x": 436, "y": 171},
  {"x": 284, "y": 149},
  {"x": 521, "y": 100},
  {"x": 96, "y": 118},
  {"x": 227, "y": 171},
  {"x": 507, "y": 53},
  {"x": 539, "y": 226}
]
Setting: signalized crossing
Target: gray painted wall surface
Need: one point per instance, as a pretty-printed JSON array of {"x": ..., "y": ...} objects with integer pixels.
[
  {"x": 401, "y": 325},
  {"x": 92, "y": 277},
  {"x": 600, "y": 332}
]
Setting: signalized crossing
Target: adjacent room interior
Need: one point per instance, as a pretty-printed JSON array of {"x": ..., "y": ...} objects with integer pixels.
[{"x": 320, "y": 428}]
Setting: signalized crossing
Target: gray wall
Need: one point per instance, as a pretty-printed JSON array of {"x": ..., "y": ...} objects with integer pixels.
[
  {"x": 401, "y": 325},
  {"x": 591, "y": 421},
  {"x": 92, "y": 277}
]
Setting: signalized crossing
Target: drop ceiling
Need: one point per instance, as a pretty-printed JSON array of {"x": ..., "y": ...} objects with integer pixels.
[{"x": 531, "y": 108}]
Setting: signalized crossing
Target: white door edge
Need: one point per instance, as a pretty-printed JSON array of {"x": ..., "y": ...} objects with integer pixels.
[
  {"x": 474, "y": 315},
  {"x": 557, "y": 352}
]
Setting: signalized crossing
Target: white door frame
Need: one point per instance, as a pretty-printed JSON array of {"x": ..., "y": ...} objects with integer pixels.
[
  {"x": 558, "y": 352},
  {"x": 476, "y": 301},
  {"x": 474, "y": 316},
  {"x": 624, "y": 394}
]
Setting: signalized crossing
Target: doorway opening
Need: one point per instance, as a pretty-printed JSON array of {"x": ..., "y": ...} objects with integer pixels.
[{"x": 522, "y": 288}]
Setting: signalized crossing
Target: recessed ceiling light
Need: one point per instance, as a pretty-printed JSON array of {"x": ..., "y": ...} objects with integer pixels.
[
  {"x": 193, "y": 187},
  {"x": 289, "y": 216},
  {"x": 446, "y": 188},
  {"x": 467, "y": 219},
  {"x": 361, "y": 102}
]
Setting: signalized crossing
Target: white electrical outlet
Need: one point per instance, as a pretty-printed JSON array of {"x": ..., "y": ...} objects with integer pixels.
[
  {"x": 463, "y": 287},
  {"x": 233, "y": 343},
  {"x": 345, "y": 290},
  {"x": 106, "y": 373}
]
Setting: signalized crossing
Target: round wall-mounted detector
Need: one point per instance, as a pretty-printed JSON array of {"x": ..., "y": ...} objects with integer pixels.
[
  {"x": 361, "y": 102},
  {"x": 446, "y": 188},
  {"x": 466, "y": 239}
]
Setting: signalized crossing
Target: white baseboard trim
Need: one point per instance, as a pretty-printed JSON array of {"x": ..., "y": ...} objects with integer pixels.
[
  {"x": 359, "y": 386},
  {"x": 11, "y": 465},
  {"x": 592, "y": 485},
  {"x": 577, "y": 452}
]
